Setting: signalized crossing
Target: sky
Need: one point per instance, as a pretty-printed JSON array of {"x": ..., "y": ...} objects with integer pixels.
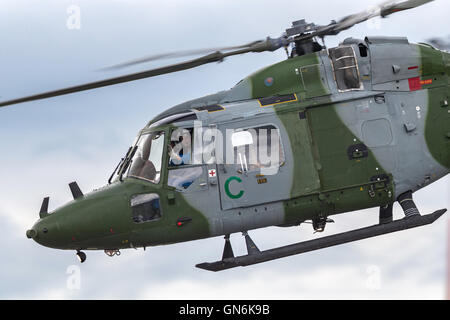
[{"x": 45, "y": 145}]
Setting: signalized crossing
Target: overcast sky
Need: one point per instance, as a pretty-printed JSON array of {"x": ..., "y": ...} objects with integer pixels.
[{"x": 47, "y": 144}]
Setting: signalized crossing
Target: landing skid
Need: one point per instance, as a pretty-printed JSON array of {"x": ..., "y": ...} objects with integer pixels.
[{"x": 255, "y": 256}]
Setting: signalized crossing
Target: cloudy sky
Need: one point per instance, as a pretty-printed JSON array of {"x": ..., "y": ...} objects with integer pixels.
[{"x": 47, "y": 144}]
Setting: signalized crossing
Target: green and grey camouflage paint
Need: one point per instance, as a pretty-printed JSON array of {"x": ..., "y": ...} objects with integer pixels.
[{"x": 345, "y": 150}]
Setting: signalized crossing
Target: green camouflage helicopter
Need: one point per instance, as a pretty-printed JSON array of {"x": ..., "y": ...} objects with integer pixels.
[{"x": 326, "y": 131}]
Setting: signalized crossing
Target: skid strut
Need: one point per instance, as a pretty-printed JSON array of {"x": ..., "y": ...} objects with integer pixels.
[
  {"x": 408, "y": 205},
  {"x": 255, "y": 256},
  {"x": 227, "y": 249},
  {"x": 386, "y": 215}
]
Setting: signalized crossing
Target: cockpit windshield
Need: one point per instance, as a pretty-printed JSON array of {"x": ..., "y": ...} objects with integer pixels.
[{"x": 147, "y": 158}]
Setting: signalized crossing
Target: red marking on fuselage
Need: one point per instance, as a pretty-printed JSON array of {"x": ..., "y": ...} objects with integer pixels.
[{"x": 415, "y": 84}]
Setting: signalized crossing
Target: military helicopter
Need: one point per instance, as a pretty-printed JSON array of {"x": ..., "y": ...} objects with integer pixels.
[{"x": 324, "y": 132}]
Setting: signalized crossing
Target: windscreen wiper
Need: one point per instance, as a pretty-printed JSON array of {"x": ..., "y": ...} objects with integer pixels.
[
  {"x": 127, "y": 162},
  {"x": 120, "y": 164}
]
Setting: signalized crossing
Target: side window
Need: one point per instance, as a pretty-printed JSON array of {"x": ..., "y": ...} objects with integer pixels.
[
  {"x": 145, "y": 207},
  {"x": 345, "y": 68},
  {"x": 258, "y": 148}
]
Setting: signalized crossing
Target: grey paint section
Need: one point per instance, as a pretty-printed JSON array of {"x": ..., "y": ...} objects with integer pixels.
[
  {"x": 241, "y": 91},
  {"x": 394, "y": 129},
  {"x": 210, "y": 198},
  {"x": 386, "y": 116}
]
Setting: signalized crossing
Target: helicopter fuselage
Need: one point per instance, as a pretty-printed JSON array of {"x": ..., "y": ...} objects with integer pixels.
[{"x": 358, "y": 125}]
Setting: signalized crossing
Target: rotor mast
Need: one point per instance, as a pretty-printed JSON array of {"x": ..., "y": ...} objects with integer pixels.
[{"x": 299, "y": 30}]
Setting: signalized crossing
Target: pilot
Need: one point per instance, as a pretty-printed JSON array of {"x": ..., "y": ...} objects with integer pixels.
[
  {"x": 183, "y": 156},
  {"x": 142, "y": 167}
]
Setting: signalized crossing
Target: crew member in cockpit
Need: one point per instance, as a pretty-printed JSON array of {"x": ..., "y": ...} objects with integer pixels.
[{"x": 180, "y": 153}]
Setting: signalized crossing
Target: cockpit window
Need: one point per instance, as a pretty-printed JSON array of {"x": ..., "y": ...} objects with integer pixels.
[{"x": 147, "y": 159}]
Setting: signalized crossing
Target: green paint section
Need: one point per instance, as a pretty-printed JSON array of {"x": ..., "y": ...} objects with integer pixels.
[
  {"x": 332, "y": 138},
  {"x": 177, "y": 207},
  {"x": 305, "y": 178},
  {"x": 432, "y": 64},
  {"x": 446, "y": 58},
  {"x": 305, "y": 72},
  {"x": 345, "y": 183},
  {"x": 299, "y": 75},
  {"x": 437, "y": 126},
  {"x": 99, "y": 219},
  {"x": 346, "y": 199},
  {"x": 103, "y": 219}
]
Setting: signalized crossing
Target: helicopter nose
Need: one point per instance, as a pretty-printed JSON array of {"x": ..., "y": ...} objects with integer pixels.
[
  {"x": 31, "y": 234},
  {"x": 46, "y": 232},
  {"x": 38, "y": 231}
]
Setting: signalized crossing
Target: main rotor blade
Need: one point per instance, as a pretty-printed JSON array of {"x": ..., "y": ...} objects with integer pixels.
[
  {"x": 259, "y": 46},
  {"x": 405, "y": 5},
  {"x": 178, "y": 54},
  {"x": 383, "y": 10}
]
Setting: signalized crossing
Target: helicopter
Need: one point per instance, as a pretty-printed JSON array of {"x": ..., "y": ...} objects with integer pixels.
[{"x": 326, "y": 131}]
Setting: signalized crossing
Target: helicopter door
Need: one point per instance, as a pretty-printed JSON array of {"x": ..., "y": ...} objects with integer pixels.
[
  {"x": 253, "y": 171},
  {"x": 184, "y": 173}
]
